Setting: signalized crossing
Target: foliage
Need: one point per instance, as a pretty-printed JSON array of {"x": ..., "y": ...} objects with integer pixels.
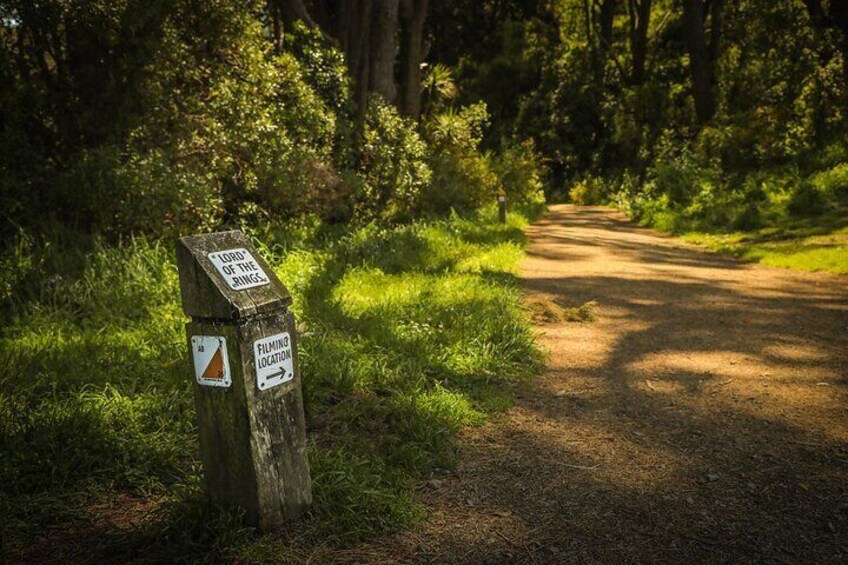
[
  {"x": 586, "y": 191},
  {"x": 212, "y": 128},
  {"x": 393, "y": 165},
  {"x": 774, "y": 150},
  {"x": 410, "y": 333},
  {"x": 521, "y": 172},
  {"x": 439, "y": 88},
  {"x": 462, "y": 177}
]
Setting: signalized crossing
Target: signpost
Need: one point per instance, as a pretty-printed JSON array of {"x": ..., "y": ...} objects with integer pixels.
[
  {"x": 502, "y": 206},
  {"x": 247, "y": 383}
]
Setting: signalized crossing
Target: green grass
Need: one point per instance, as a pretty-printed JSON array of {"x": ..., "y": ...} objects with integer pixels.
[
  {"x": 819, "y": 244},
  {"x": 408, "y": 334}
]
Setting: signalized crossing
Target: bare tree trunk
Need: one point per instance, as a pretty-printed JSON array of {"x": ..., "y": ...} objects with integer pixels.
[
  {"x": 413, "y": 14},
  {"x": 606, "y": 17},
  {"x": 599, "y": 23},
  {"x": 384, "y": 48},
  {"x": 700, "y": 66},
  {"x": 640, "y": 17},
  {"x": 359, "y": 59}
]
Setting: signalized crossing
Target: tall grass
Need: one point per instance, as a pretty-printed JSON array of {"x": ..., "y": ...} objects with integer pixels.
[{"x": 408, "y": 334}]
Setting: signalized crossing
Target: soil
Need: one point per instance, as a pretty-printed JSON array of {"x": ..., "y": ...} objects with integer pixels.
[{"x": 701, "y": 416}]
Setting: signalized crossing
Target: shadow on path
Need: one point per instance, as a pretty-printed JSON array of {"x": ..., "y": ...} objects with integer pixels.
[{"x": 701, "y": 417}]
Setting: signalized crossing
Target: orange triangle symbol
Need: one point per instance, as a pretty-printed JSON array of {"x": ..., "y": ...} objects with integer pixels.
[{"x": 215, "y": 370}]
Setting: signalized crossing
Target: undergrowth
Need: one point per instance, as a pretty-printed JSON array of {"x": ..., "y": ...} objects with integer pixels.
[
  {"x": 805, "y": 245},
  {"x": 781, "y": 217},
  {"x": 408, "y": 334}
]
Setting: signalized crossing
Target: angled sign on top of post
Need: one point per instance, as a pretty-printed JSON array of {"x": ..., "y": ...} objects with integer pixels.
[{"x": 224, "y": 278}]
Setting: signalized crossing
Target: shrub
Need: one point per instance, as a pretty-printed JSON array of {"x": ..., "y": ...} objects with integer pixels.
[
  {"x": 205, "y": 124},
  {"x": 832, "y": 184},
  {"x": 393, "y": 165},
  {"x": 586, "y": 191},
  {"x": 521, "y": 173},
  {"x": 462, "y": 177}
]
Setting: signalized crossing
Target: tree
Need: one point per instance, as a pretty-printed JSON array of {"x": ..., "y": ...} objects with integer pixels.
[
  {"x": 703, "y": 52},
  {"x": 377, "y": 37},
  {"x": 383, "y": 48},
  {"x": 413, "y": 14},
  {"x": 833, "y": 16},
  {"x": 639, "y": 12}
]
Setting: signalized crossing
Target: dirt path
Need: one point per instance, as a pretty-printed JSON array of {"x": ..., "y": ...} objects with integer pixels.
[{"x": 701, "y": 417}]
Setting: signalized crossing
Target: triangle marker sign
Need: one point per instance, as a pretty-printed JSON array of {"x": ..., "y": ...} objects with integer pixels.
[{"x": 211, "y": 363}]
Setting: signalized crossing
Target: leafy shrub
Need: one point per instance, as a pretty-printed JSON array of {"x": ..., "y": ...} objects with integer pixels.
[
  {"x": 832, "y": 184},
  {"x": 462, "y": 177},
  {"x": 393, "y": 165},
  {"x": 208, "y": 126},
  {"x": 520, "y": 172},
  {"x": 586, "y": 191},
  {"x": 806, "y": 200},
  {"x": 680, "y": 177}
]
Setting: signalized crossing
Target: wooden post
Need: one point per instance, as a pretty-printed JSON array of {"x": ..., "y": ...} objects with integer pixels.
[
  {"x": 502, "y": 205},
  {"x": 247, "y": 387}
]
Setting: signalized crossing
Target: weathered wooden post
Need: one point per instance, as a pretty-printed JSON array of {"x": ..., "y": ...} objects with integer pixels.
[
  {"x": 247, "y": 383},
  {"x": 502, "y": 205}
]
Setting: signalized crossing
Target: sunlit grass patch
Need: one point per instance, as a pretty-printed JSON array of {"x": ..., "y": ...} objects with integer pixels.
[
  {"x": 408, "y": 334},
  {"x": 796, "y": 246}
]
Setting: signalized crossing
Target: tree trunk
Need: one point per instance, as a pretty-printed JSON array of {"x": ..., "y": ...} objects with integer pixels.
[
  {"x": 359, "y": 59},
  {"x": 640, "y": 16},
  {"x": 602, "y": 18},
  {"x": 700, "y": 66},
  {"x": 413, "y": 15},
  {"x": 384, "y": 29},
  {"x": 274, "y": 11},
  {"x": 606, "y": 17}
]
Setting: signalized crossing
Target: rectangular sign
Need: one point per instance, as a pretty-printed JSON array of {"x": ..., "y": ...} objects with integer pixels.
[
  {"x": 273, "y": 358},
  {"x": 211, "y": 363},
  {"x": 239, "y": 268}
]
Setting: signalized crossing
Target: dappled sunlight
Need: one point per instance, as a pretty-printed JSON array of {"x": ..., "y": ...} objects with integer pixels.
[
  {"x": 789, "y": 352},
  {"x": 704, "y": 394}
]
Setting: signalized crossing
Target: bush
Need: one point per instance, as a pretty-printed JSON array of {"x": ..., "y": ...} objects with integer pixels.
[
  {"x": 832, "y": 185},
  {"x": 206, "y": 124},
  {"x": 587, "y": 191},
  {"x": 463, "y": 178},
  {"x": 393, "y": 165},
  {"x": 521, "y": 173}
]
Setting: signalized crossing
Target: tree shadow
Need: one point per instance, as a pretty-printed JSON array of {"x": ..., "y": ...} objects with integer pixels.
[{"x": 700, "y": 418}]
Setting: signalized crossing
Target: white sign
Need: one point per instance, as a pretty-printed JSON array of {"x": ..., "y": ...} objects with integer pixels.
[
  {"x": 273, "y": 358},
  {"x": 239, "y": 268},
  {"x": 501, "y": 198},
  {"x": 211, "y": 363}
]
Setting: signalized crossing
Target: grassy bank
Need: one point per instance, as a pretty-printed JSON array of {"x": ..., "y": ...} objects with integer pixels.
[
  {"x": 812, "y": 244},
  {"x": 409, "y": 333},
  {"x": 776, "y": 230}
]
